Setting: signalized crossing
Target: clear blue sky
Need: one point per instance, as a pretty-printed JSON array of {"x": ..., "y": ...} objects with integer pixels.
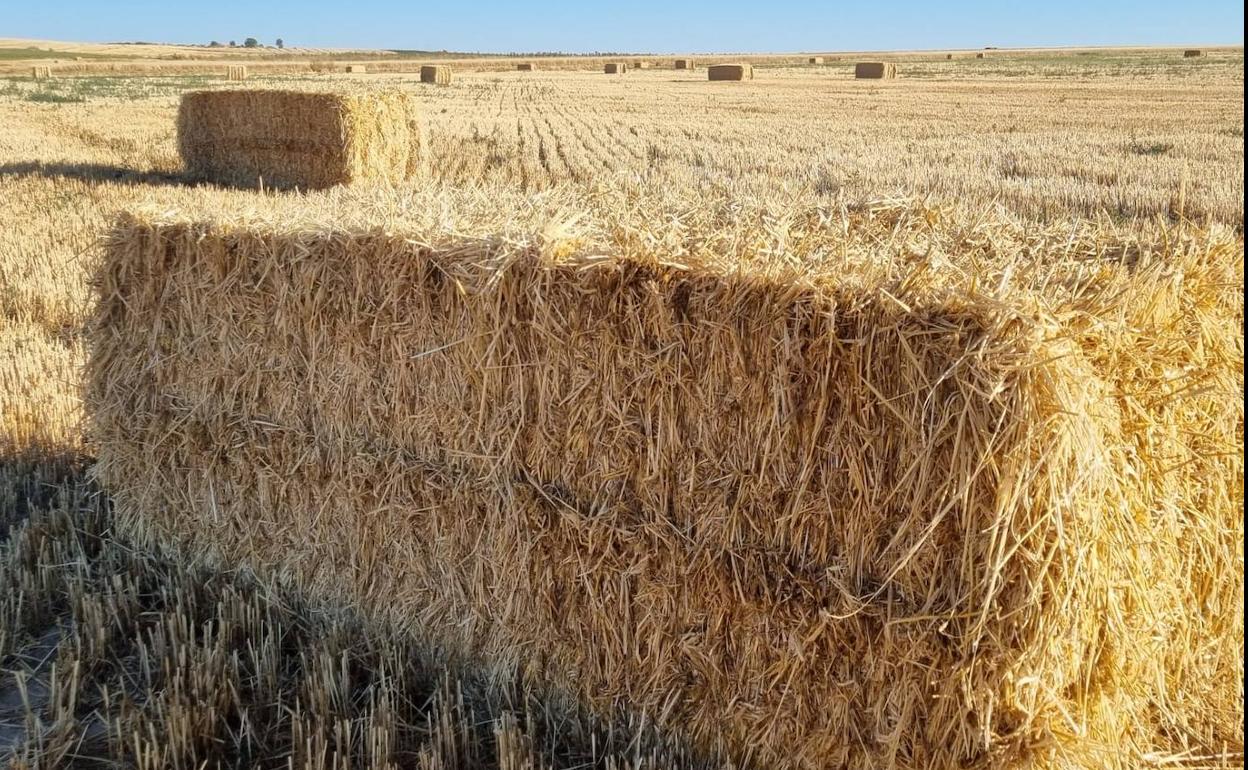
[{"x": 634, "y": 25}]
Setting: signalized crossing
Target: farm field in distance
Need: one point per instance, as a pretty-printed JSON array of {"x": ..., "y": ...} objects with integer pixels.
[{"x": 109, "y": 656}]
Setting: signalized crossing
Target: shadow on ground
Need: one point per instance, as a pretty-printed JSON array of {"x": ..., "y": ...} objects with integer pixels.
[{"x": 94, "y": 172}]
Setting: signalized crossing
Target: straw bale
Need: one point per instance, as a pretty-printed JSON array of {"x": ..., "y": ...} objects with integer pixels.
[
  {"x": 979, "y": 55},
  {"x": 684, "y": 64},
  {"x": 41, "y": 72},
  {"x": 615, "y": 68},
  {"x": 815, "y": 60},
  {"x": 236, "y": 72},
  {"x": 439, "y": 74},
  {"x": 298, "y": 139},
  {"x": 358, "y": 69},
  {"x": 880, "y": 507},
  {"x": 642, "y": 64},
  {"x": 1193, "y": 53},
  {"x": 875, "y": 70},
  {"x": 526, "y": 66},
  {"x": 744, "y": 71}
]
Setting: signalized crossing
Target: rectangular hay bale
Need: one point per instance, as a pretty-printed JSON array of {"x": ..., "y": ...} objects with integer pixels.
[
  {"x": 744, "y": 71},
  {"x": 41, "y": 72},
  {"x": 824, "y": 520},
  {"x": 875, "y": 70},
  {"x": 439, "y": 74},
  {"x": 526, "y": 66},
  {"x": 1193, "y": 53},
  {"x": 357, "y": 69},
  {"x": 683, "y": 64},
  {"x": 615, "y": 68},
  {"x": 298, "y": 139},
  {"x": 815, "y": 60},
  {"x": 235, "y": 72}
]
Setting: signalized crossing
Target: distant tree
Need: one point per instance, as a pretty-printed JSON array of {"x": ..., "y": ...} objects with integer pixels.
[
  {"x": 233, "y": 44},
  {"x": 280, "y": 44},
  {"x": 214, "y": 44},
  {"x": 251, "y": 42}
]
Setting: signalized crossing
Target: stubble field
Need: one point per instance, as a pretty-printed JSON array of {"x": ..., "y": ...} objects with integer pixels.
[{"x": 1120, "y": 146}]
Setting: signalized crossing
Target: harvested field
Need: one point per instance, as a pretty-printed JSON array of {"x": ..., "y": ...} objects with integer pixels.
[
  {"x": 298, "y": 139},
  {"x": 236, "y": 72},
  {"x": 1087, "y": 166}
]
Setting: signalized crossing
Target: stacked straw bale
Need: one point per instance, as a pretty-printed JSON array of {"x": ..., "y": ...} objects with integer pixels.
[
  {"x": 684, "y": 64},
  {"x": 850, "y": 511},
  {"x": 615, "y": 68},
  {"x": 744, "y": 71},
  {"x": 236, "y": 72},
  {"x": 439, "y": 74},
  {"x": 526, "y": 66},
  {"x": 298, "y": 139},
  {"x": 815, "y": 60},
  {"x": 1193, "y": 53},
  {"x": 875, "y": 70},
  {"x": 41, "y": 72}
]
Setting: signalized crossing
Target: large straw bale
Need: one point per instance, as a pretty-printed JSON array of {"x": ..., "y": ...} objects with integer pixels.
[
  {"x": 42, "y": 72},
  {"x": 526, "y": 66},
  {"x": 643, "y": 64},
  {"x": 357, "y": 69},
  {"x": 743, "y": 71},
  {"x": 439, "y": 74},
  {"x": 1193, "y": 53},
  {"x": 615, "y": 68},
  {"x": 815, "y": 60},
  {"x": 886, "y": 503},
  {"x": 684, "y": 64},
  {"x": 886, "y": 70},
  {"x": 298, "y": 139},
  {"x": 236, "y": 72}
]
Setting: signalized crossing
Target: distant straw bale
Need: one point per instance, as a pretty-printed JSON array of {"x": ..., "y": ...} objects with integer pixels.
[
  {"x": 979, "y": 55},
  {"x": 1193, "y": 53},
  {"x": 683, "y": 64},
  {"x": 875, "y": 70},
  {"x": 862, "y": 510},
  {"x": 615, "y": 68},
  {"x": 439, "y": 74},
  {"x": 743, "y": 71},
  {"x": 357, "y": 69},
  {"x": 236, "y": 72},
  {"x": 298, "y": 139},
  {"x": 642, "y": 64},
  {"x": 526, "y": 66},
  {"x": 41, "y": 72},
  {"x": 815, "y": 60}
]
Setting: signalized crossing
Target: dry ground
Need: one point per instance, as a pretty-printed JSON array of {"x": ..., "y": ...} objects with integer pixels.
[{"x": 1115, "y": 137}]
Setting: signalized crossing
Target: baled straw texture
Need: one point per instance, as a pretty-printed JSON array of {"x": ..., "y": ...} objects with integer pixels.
[
  {"x": 979, "y": 55},
  {"x": 41, "y": 72},
  {"x": 526, "y": 66},
  {"x": 439, "y": 74},
  {"x": 298, "y": 139},
  {"x": 890, "y": 488},
  {"x": 642, "y": 64},
  {"x": 875, "y": 70},
  {"x": 742, "y": 71},
  {"x": 615, "y": 68},
  {"x": 358, "y": 69},
  {"x": 684, "y": 64},
  {"x": 815, "y": 60},
  {"x": 236, "y": 72},
  {"x": 1193, "y": 53}
]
